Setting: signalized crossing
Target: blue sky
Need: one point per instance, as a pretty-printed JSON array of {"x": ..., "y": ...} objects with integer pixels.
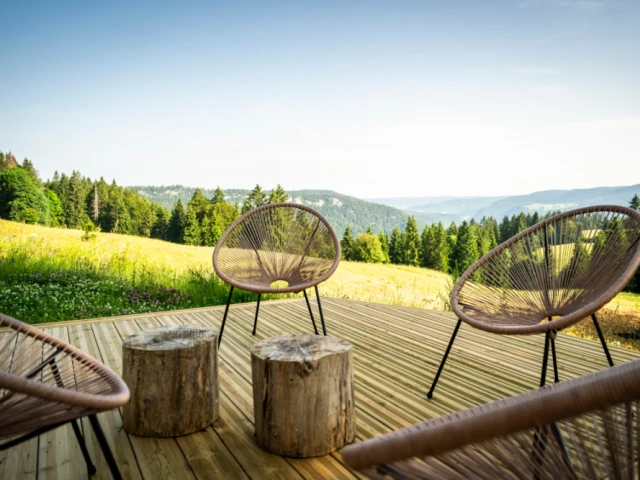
[{"x": 372, "y": 99}]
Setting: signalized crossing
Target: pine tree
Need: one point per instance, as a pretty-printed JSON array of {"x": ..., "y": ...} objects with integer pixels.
[
  {"x": 176, "y": 223},
  {"x": 192, "y": 228},
  {"x": 466, "y": 250},
  {"x": 411, "y": 243},
  {"x": 635, "y": 202},
  {"x": 347, "y": 244},
  {"x": 55, "y": 208},
  {"x": 28, "y": 167},
  {"x": 278, "y": 195},
  {"x": 426, "y": 252},
  {"x": 76, "y": 216},
  {"x": 199, "y": 205},
  {"x": 441, "y": 252},
  {"x": 218, "y": 196},
  {"x": 160, "y": 228},
  {"x": 521, "y": 223},
  {"x": 3, "y": 163},
  {"x": 452, "y": 240},
  {"x": 255, "y": 199},
  {"x": 505, "y": 230},
  {"x": 384, "y": 243},
  {"x": 395, "y": 246}
]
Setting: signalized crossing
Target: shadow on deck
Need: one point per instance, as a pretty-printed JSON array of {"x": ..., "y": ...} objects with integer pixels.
[{"x": 396, "y": 354}]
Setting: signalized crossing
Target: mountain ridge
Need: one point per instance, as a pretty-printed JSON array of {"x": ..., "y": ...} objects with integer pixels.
[{"x": 342, "y": 210}]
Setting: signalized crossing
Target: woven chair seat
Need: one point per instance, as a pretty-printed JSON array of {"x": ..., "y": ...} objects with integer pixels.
[
  {"x": 282, "y": 242},
  {"x": 563, "y": 268},
  {"x": 45, "y": 381}
]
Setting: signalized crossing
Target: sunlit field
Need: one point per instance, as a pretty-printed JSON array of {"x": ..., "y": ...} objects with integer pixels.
[{"x": 49, "y": 274}]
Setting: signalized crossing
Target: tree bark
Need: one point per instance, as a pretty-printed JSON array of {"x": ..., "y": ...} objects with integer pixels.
[
  {"x": 303, "y": 397},
  {"x": 172, "y": 373}
]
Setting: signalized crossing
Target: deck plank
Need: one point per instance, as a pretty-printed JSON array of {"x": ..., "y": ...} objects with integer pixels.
[
  {"x": 59, "y": 451},
  {"x": 397, "y": 351}
]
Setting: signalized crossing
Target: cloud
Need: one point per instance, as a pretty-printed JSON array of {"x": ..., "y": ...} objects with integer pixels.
[{"x": 536, "y": 71}]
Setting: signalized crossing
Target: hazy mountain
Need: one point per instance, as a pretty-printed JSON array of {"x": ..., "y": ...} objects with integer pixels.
[
  {"x": 385, "y": 214},
  {"x": 498, "y": 207}
]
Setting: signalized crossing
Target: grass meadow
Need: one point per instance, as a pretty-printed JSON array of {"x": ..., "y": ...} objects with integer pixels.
[{"x": 49, "y": 274}]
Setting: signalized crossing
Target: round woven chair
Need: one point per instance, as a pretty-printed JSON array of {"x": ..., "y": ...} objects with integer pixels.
[
  {"x": 550, "y": 276},
  {"x": 584, "y": 428},
  {"x": 277, "y": 248},
  {"x": 45, "y": 383}
]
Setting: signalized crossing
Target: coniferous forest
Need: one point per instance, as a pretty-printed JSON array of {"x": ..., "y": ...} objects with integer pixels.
[{"x": 79, "y": 202}]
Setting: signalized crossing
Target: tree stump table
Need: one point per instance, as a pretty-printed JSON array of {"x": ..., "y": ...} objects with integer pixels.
[
  {"x": 303, "y": 399},
  {"x": 172, "y": 373}
]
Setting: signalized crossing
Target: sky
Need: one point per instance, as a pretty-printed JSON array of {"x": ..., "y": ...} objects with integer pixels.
[{"x": 367, "y": 98}]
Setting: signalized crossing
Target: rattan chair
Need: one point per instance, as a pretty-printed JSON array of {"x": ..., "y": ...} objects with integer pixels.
[
  {"x": 550, "y": 276},
  {"x": 45, "y": 383},
  {"x": 277, "y": 248},
  {"x": 586, "y": 427}
]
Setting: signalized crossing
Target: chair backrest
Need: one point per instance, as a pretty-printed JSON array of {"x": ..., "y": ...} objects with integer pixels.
[
  {"x": 586, "y": 427},
  {"x": 568, "y": 266},
  {"x": 277, "y": 242},
  {"x": 45, "y": 380}
]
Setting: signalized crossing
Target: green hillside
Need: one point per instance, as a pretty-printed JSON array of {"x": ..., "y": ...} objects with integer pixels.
[{"x": 340, "y": 210}]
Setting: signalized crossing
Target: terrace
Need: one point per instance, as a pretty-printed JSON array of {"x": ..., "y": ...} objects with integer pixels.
[{"x": 396, "y": 353}]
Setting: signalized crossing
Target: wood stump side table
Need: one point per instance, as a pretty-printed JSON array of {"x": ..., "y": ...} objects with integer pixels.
[
  {"x": 172, "y": 373},
  {"x": 303, "y": 397}
]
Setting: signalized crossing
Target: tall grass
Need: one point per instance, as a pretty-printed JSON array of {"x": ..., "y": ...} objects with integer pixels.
[{"x": 40, "y": 282}]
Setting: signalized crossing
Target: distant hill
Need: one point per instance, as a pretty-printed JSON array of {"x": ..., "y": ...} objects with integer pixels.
[
  {"x": 541, "y": 202},
  {"x": 385, "y": 214},
  {"x": 550, "y": 200},
  {"x": 340, "y": 210}
]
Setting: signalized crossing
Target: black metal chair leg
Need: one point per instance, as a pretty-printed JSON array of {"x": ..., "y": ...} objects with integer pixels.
[
  {"x": 444, "y": 359},
  {"x": 83, "y": 447},
  {"x": 552, "y": 339},
  {"x": 255, "y": 322},
  {"x": 224, "y": 318},
  {"x": 545, "y": 360},
  {"x": 315, "y": 329},
  {"x": 601, "y": 337},
  {"x": 324, "y": 329},
  {"x": 104, "y": 446}
]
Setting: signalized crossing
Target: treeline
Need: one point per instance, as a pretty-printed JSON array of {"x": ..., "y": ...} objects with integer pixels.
[
  {"x": 448, "y": 250},
  {"x": 79, "y": 202},
  {"x": 454, "y": 249}
]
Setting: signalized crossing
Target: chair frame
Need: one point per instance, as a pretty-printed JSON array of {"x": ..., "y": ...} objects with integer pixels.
[
  {"x": 534, "y": 410},
  {"x": 551, "y": 327},
  {"x": 288, "y": 289},
  {"x": 91, "y": 403}
]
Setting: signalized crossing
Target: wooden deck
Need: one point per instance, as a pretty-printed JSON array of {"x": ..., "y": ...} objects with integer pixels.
[{"x": 396, "y": 353}]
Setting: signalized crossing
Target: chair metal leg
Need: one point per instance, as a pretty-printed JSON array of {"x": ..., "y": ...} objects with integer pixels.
[
  {"x": 104, "y": 446},
  {"x": 552, "y": 338},
  {"x": 444, "y": 359},
  {"x": 224, "y": 318},
  {"x": 76, "y": 429},
  {"x": 315, "y": 329},
  {"x": 83, "y": 447},
  {"x": 324, "y": 329},
  {"x": 545, "y": 359},
  {"x": 255, "y": 322},
  {"x": 601, "y": 337}
]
